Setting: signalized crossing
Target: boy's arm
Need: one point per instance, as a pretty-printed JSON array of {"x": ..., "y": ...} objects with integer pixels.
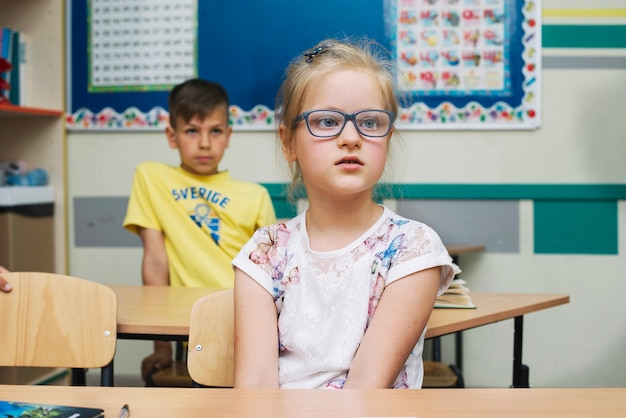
[
  {"x": 155, "y": 272},
  {"x": 256, "y": 335},
  {"x": 397, "y": 325},
  {"x": 154, "y": 266}
]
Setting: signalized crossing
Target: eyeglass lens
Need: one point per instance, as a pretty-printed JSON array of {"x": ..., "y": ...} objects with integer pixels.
[{"x": 328, "y": 123}]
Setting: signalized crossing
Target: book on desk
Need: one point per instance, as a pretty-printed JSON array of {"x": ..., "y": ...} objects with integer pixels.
[
  {"x": 457, "y": 295},
  {"x": 25, "y": 409}
]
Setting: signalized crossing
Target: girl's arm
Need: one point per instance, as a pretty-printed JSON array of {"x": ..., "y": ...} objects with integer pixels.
[
  {"x": 155, "y": 269},
  {"x": 256, "y": 335},
  {"x": 397, "y": 325}
]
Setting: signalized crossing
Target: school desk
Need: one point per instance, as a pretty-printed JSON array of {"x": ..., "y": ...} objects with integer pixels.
[
  {"x": 163, "y": 312},
  {"x": 426, "y": 403},
  {"x": 150, "y": 312}
]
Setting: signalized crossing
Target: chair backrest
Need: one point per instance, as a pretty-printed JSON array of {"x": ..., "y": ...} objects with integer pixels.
[
  {"x": 52, "y": 320},
  {"x": 211, "y": 352}
]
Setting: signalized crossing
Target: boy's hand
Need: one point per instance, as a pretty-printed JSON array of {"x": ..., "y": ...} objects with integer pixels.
[
  {"x": 4, "y": 285},
  {"x": 160, "y": 359}
]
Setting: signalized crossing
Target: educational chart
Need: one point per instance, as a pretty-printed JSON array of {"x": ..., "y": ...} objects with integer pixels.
[
  {"x": 140, "y": 45},
  {"x": 462, "y": 64},
  {"x": 453, "y": 48},
  {"x": 467, "y": 63}
]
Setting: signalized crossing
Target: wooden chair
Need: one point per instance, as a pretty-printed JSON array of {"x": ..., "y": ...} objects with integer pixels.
[
  {"x": 440, "y": 375},
  {"x": 52, "y": 320},
  {"x": 211, "y": 351},
  {"x": 176, "y": 375}
]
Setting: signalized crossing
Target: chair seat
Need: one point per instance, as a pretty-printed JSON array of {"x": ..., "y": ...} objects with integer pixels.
[
  {"x": 174, "y": 376},
  {"x": 440, "y": 375}
]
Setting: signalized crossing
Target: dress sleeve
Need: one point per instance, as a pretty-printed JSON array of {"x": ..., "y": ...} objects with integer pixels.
[
  {"x": 254, "y": 259},
  {"x": 422, "y": 249}
]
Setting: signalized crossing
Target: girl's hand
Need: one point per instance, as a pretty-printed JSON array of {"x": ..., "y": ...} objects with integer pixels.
[{"x": 4, "y": 285}]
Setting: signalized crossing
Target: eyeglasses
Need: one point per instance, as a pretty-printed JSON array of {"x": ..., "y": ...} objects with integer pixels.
[{"x": 330, "y": 123}]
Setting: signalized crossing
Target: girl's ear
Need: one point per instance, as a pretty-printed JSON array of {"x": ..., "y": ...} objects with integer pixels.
[
  {"x": 287, "y": 145},
  {"x": 171, "y": 137}
]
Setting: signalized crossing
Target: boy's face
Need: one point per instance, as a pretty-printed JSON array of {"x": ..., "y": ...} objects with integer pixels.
[{"x": 201, "y": 142}]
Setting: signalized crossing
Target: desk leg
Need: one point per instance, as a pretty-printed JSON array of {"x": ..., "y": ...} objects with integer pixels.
[
  {"x": 458, "y": 350},
  {"x": 106, "y": 375},
  {"x": 79, "y": 377},
  {"x": 437, "y": 349},
  {"x": 520, "y": 371}
]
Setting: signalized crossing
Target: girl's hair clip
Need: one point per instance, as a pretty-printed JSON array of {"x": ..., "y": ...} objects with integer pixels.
[{"x": 319, "y": 50}]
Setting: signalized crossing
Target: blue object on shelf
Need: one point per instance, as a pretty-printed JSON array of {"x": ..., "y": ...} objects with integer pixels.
[{"x": 37, "y": 177}]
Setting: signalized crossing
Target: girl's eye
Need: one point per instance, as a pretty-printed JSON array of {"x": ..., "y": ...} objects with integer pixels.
[
  {"x": 328, "y": 123},
  {"x": 369, "y": 123}
]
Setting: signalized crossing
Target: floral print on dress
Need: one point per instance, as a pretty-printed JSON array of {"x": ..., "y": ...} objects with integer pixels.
[
  {"x": 270, "y": 255},
  {"x": 387, "y": 255}
]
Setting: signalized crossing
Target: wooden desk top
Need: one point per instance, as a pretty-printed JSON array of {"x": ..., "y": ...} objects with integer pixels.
[
  {"x": 455, "y": 250},
  {"x": 165, "y": 311},
  {"x": 425, "y": 403},
  {"x": 490, "y": 308},
  {"x": 157, "y": 310}
]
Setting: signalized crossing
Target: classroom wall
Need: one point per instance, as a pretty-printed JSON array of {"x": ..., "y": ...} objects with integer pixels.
[{"x": 580, "y": 142}]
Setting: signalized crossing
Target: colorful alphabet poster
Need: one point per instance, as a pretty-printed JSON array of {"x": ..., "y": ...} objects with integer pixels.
[{"x": 467, "y": 63}]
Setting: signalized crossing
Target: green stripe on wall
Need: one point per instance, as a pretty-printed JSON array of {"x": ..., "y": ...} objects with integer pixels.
[
  {"x": 583, "y": 36},
  {"x": 558, "y": 209},
  {"x": 491, "y": 191}
]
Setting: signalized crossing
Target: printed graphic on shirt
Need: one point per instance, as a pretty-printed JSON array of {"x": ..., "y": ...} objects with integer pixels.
[
  {"x": 201, "y": 213},
  {"x": 202, "y": 217}
]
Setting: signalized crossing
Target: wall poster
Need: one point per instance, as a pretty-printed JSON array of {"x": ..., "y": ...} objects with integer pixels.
[
  {"x": 462, "y": 64},
  {"x": 467, "y": 63},
  {"x": 141, "y": 45}
]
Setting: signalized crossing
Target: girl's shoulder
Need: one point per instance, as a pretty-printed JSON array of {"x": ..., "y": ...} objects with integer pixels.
[
  {"x": 277, "y": 234},
  {"x": 395, "y": 228},
  {"x": 390, "y": 218}
]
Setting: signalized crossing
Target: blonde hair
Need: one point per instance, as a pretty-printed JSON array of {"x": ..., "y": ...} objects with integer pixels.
[{"x": 304, "y": 71}]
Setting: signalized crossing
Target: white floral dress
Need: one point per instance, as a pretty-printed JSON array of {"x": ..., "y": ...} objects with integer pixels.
[{"x": 325, "y": 300}]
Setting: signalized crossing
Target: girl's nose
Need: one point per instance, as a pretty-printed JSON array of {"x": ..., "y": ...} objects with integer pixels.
[{"x": 349, "y": 136}]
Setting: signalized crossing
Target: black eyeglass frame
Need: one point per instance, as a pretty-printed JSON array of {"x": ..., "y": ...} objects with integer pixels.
[{"x": 304, "y": 116}]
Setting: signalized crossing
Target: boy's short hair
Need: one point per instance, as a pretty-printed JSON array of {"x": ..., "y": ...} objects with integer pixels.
[{"x": 196, "y": 97}]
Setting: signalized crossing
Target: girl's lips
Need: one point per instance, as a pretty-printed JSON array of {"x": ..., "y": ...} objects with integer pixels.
[
  {"x": 349, "y": 160},
  {"x": 349, "y": 164}
]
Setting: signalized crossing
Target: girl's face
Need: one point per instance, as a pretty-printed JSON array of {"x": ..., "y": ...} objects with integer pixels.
[{"x": 348, "y": 163}]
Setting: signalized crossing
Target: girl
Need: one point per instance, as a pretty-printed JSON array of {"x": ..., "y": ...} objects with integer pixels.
[{"x": 343, "y": 292}]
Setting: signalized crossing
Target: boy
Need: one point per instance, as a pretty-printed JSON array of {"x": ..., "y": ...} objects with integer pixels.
[{"x": 193, "y": 219}]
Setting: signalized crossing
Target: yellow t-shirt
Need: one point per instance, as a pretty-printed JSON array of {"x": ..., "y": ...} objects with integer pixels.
[{"x": 205, "y": 220}]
